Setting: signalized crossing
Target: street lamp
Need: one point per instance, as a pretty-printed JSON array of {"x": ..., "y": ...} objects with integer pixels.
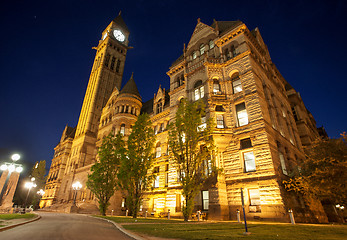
[
  {"x": 76, "y": 186},
  {"x": 12, "y": 166},
  {"x": 29, "y": 186}
]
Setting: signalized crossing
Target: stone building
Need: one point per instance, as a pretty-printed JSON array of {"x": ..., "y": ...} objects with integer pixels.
[{"x": 262, "y": 125}]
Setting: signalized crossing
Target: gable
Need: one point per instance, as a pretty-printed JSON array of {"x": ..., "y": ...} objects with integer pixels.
[{"x": 201, "y": 30}]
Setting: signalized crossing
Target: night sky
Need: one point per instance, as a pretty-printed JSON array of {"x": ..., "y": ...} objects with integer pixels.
[{"x": 46, "y": 57}]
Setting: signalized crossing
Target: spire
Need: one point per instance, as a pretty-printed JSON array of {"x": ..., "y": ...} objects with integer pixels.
[
  {"x": 130, "y": 87},
  {"x": 119, "y": 21}
]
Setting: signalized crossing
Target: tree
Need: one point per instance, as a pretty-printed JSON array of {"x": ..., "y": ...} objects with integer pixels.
[
  {"x": 324, "y": 171},
  {"x": 103, "y": 179},
  {"x": 191, "y": 145},
  {"x": 38, "y": 172},
  {"x": 134, "y": 174}
]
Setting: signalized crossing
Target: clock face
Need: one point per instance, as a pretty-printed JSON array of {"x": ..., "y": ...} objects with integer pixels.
[
  {"x": 119, "y": 35},
  {"x": 104, "y": 36}
]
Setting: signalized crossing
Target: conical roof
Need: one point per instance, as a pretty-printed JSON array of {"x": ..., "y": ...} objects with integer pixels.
[
  {"x": 119, "y": 21},
  {"x": 130, "y": 87}
]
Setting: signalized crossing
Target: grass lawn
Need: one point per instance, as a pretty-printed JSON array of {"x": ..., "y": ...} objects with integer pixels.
[
  {"x": 16, "y": 215},
  {"x": 140, "y": 220},
  {"x": 230, "y": 230}
]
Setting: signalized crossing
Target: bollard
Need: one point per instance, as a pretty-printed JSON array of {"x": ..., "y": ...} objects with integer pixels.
[
  {"x": 198, "y": 215},
  {"x": 238, "y": 216},
  {"x": 168, "y": 214},
  {"x": 291, "y": 215},
  {"x": 112, "y": 212},
  {"x": 146, "y": 214},
  {"x": 126, "y": 213}
]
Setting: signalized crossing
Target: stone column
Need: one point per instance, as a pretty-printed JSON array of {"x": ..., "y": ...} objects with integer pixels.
[
  {"x": 3, "y": 180},
  {"x": 10, "y": 190}
]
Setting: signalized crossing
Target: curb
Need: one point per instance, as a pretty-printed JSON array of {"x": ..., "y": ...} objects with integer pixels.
[
  {"x": 18, "y": 224},
  {"x": 120, "y": 228}
]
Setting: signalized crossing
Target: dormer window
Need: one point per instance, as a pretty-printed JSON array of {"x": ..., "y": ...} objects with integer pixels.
[
  {"x": 159, "y": 106},
  {"x": 202, "y": 49}
]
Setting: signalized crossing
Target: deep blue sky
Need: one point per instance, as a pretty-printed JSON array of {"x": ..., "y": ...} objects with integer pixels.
[{"x": 46, "y": 56}]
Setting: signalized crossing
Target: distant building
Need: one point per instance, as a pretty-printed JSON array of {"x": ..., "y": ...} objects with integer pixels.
[{"x": 262, "y": 125}]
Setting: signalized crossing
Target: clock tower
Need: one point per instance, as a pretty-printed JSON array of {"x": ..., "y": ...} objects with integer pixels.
[{"x": 106, "y": 75}]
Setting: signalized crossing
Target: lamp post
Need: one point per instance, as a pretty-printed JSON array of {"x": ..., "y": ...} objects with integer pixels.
[
  {"x": 76, "y": 186},
  {"x": 29, "y": 186}
]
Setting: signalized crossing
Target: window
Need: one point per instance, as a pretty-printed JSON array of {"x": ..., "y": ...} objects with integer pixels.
[
  {"x": 241, "y": 113},
  {"x": 198, "y": 90},
  {"x": 113, "y": 62},
  {"x": 211, "y": 44},
  {"x": 166, "y": 179},
  {"x": 220, "y": 121},
  {"x": 195, "y": 54},
  {"x": 237, "y": 87},
  {"x": 159, "y": 106},
  {"x": 158, "y": 150},
  {"x": 283, "y": 164},
  {"x": 122, "y": 129},
  {"x": 156, "y": 182},
  {"x": 107, "y": 59},
  {"x": 202, "y": 49},
  {"x": 219, "y": 108},
  {"x": 254, "y": 197},
  {"x": 161, "y": 128},
  {"x": 154, "y": 204},
  {"x": 208, "y": 167},
  {"x": 245, "y": 143},
  {"x": 202, "y": 126},
  {"x": 249, "y": 159},
  {"x": 156, "y": 130},
  {"x": 216, "y": 87},
  {"x": 205, "y": 200},
  {"x": 233, "y": 51},
  {"x": 295, "y": 114},
  {"x": 123, "y": 202},
  {"x": 118, "y": 65}
]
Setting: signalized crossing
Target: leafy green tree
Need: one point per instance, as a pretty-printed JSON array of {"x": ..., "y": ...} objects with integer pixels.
[
  {"x": 191, "y": 145},
  {"x": 103, "y": 179},
  {"x": 134, "y": 174},
  {"x": 324, "y": 171}
]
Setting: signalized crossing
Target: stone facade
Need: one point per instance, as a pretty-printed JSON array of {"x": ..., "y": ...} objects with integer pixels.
[{"x": 259, "y": 135}]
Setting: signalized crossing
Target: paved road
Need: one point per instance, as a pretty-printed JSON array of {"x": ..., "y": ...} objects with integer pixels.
[{"x": 64, "y": 227}]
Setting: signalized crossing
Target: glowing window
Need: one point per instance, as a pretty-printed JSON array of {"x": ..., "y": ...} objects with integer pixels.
[
  {"x": 249, "y": 160},
  {"x": 241, "y": 113}
]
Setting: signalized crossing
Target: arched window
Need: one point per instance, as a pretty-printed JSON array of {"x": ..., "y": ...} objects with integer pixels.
[
  {"x": 122, "y": 129},
  {"x": 158, "y": 150},
  {"x": 202, "y": 49},
  {"x": 211, "y": 44},
  {"x": 198, "y": 90},
  {"x": 216, "y": 87}
]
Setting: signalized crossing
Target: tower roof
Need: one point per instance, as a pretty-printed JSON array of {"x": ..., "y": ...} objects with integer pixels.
[
  {"x": 119, "y": 21},
  {"x": 130, "y": 87}
]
